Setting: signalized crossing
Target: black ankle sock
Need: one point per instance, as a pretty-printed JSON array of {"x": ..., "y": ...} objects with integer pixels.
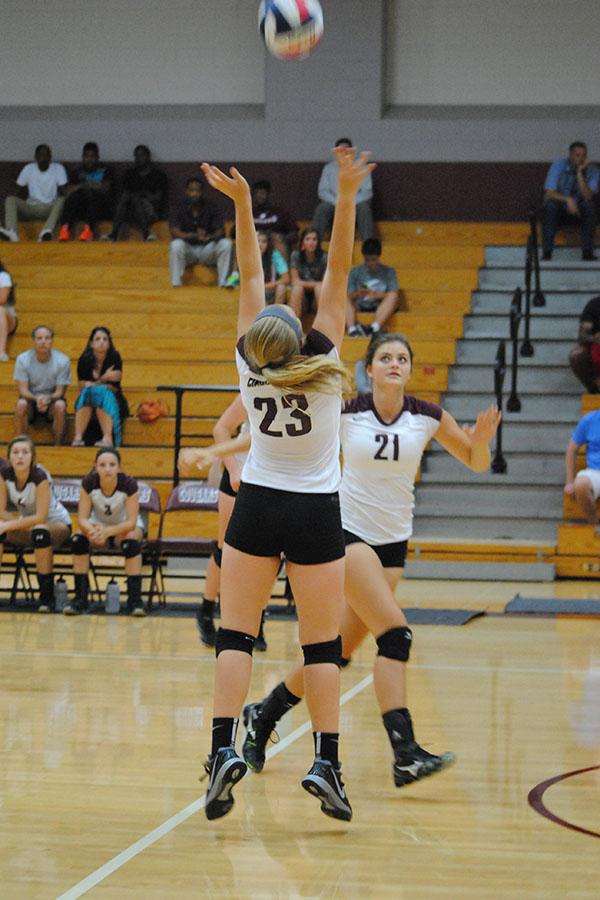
[
  {"x": 208, "y": 608},
  {"x": 398, "y": 725},
  {"x": 46, "y": 583},
  {"x": 326, "y": 746},
  {"x": 134, "y": 591},
  {"x": 277, "y": 704},
  {"x": 223, "y": 733},
  {"x": 82, "y": 588}
]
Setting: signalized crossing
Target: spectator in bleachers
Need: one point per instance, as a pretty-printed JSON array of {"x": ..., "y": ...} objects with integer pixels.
[
  {"x": 268, "y": 217},
  {"x": 8, "y": 315},
  {"x": 307, "y": 266},
  {"x": 585, "y": 357},
  {"x": 327, "y": 191},
  {"x": 109, "y": 517},
  {"x": 143, "y": 196},
  {"x": 88, "y": 196},
  {"x": 43, "y": 375},
  {"x": 198, "y": 232},
  {"x": 101, "y": 403},
  {"x": 41, "y": 189},
  {"x": 277, "y": 276},
  {"x": 585, "y": 485},
  {"x": 372, "y": 287},
  {"x": 30, "y": 514},
  {"x": 569, "y": 197}
]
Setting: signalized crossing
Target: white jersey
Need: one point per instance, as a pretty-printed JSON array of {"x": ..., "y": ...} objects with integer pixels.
[
  {"x": 295, "y": 436},
  {"x": 380, "y": 466},
  {"x": 22, "y": 500},
  {"x": 109, "y": 509}
]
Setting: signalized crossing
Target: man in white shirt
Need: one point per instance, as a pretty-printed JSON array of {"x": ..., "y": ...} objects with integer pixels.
[
  {"x": 42, "y": 375},
  {"x": 327, "y": 190},
  {"x": 40, "y": 195}
]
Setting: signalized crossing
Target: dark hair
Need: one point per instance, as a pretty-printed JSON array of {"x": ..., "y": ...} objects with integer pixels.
[
  {"x": 141, "y": 147},
  {"x": 371, "y": 247},
  {"x": 93, "y": 146},
  {"x": 318, "y": 250},
  {"x": 341, "y": 141},
  {"x": 262, "y": 184},
  {"x": 42, "y": 147},
  {"x": 194, "y": 179},
  {"x": 103, "y": 450},
  {"x": 577, "y": 144},
  {"x": 87, "y": 357},
  {"x": 37, "y": 328},
  {"x": 385, "y": 337},
  {"x": 267, "y": 256},
  {"x": 22, "y": 439}
]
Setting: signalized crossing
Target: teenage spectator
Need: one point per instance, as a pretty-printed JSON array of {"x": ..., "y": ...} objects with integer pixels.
[
  {"x": 586, "y": 484},
  {"x": 101, "y": 402},
  {"x": 42, "y": 375},
  {"x": 109, "y": 517},
  {"x": 88, "y": 196},
  {"x": 273, "y": 219},
  {"x": 41, "y": 188},
  {"x": 307, "y": 266},
  {"x": 30, "y": 514},
  {"x": 372, "y": 287},
  {"x": 142, "y": 198},
  {"x": 198, "y": 233},
  {"x": 8, "y": 316},
  {"x": 327, "y": 191},
  {"x": 277, "y": 276},
  {"x": 585, "y": 357},
  {"x": 569, "y": 190}
]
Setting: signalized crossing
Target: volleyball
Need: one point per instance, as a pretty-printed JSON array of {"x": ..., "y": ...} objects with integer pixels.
[{"x": 291, "y": 29}]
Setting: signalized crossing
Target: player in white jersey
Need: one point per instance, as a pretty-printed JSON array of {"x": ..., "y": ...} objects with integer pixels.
[
  {"x": 30, "y": 514},
  {"x": 287, "y": 501},
  {"x": 109, "y": 516},
  {"x": 383, "y": 437},
  {"x": 234, "y": 418}
]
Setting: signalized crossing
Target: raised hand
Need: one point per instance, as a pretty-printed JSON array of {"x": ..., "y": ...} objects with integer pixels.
[
  {"x": 485, "y": 426},
  {"x": 353, "y": 169},
  {"x": 236, "y": 187},
  {"x": 190, "y": 460}
]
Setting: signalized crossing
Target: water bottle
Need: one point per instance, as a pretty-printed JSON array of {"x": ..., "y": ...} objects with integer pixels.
[
  {"x": 112, "y": 599},
  {"x": 61, "y": 594}
]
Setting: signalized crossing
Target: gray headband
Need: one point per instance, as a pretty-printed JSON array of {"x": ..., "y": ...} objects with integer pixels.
[{"x": 278, "y": 312}]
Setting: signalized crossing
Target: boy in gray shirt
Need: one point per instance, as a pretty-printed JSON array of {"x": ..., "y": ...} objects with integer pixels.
[
  {"x": 372, "y": 287},
  {"x": 42, "y": 375}
]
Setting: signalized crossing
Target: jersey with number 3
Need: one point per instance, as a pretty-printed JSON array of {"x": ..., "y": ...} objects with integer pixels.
[
  {"x": 295, "y": 434},
  {"x": 380, "y": 466}
]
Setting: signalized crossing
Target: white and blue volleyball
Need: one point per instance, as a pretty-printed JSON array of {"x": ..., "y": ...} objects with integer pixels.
[{"x": 291, "y": 29}]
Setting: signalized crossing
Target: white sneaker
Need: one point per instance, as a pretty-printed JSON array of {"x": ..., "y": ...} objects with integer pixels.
[
  {"x": 45, "y": 235},
  {"x": 151, "y": 236},
  {"x": 4, "y": 357},
  {"x": 9, "y": 234}
]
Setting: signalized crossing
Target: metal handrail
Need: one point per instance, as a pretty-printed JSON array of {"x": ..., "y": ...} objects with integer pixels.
[
  {"x": 513, "y": 404},
  {"x": 499, "y": 465}
]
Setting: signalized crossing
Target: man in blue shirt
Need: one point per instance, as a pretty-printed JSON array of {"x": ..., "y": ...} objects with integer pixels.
[
  {"x": 586, "y": 484},
  {"x": 569, "y": 191},
  {"x": 372, "y": 287}
]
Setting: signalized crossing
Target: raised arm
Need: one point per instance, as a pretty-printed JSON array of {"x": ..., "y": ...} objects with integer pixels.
[
  {"x": 470, "y": 445},
  {"x": 252, "y": 279},
  {"x": 331, "y": 316}
]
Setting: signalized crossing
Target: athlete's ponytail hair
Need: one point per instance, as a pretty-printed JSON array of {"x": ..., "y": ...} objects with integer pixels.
[{"x": 272, "y": 349}]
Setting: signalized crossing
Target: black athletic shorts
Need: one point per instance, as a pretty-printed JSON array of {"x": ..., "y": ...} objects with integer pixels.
[
  {"x": 307, "y": 528},
  {"x": 391, "y": 556},
  {"x": 225, "y": 485}
]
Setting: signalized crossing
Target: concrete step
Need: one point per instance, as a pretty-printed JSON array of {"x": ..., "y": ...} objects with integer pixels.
[
  {"x": 538, "y": 437},
  {"x": 535, "y": 409},
  {"x": 490, "y": 501},
  {"x": 482, "y": 351},
  {"x": 494, "y": 528},
  {"x": 536, "y": 380},
  {"x": 557, "y": 303},
  {"x": 479, "y": 571},
  {"x": 503, "y": 256},
  {"x": 586, "y": 278},
  {"x": 542, "y": 327},
  {"x": 440, "y": 465}
]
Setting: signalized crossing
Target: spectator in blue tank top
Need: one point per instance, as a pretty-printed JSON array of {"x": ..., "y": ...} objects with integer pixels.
[{"x": 585, "y": 486}]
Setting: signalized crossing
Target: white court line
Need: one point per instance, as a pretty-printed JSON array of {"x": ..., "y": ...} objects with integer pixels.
[{"x": 153, "y": 836}]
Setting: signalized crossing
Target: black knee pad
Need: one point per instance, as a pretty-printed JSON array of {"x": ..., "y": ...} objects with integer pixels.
[
  {"x": 40, "y": 538},
  {"x": 344, "y": 662},
  {"x": 327, "y": 652},
  {"x": 227, "y": 639},
  {"x": 218, "y": 555},
  {"x": 131, "y": 547},
  {"x": 80, "y": 545},
  {"x": 395, "y": 644}
]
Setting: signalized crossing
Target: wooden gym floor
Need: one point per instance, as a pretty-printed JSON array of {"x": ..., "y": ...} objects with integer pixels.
[{"x": 104, "y": 725}]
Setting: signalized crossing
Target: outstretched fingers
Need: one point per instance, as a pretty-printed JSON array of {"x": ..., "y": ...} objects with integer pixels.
[{"x": 233, "y": 185}]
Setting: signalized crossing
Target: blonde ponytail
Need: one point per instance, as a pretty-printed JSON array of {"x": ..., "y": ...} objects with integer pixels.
[{"x": 271, "y": 348}]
